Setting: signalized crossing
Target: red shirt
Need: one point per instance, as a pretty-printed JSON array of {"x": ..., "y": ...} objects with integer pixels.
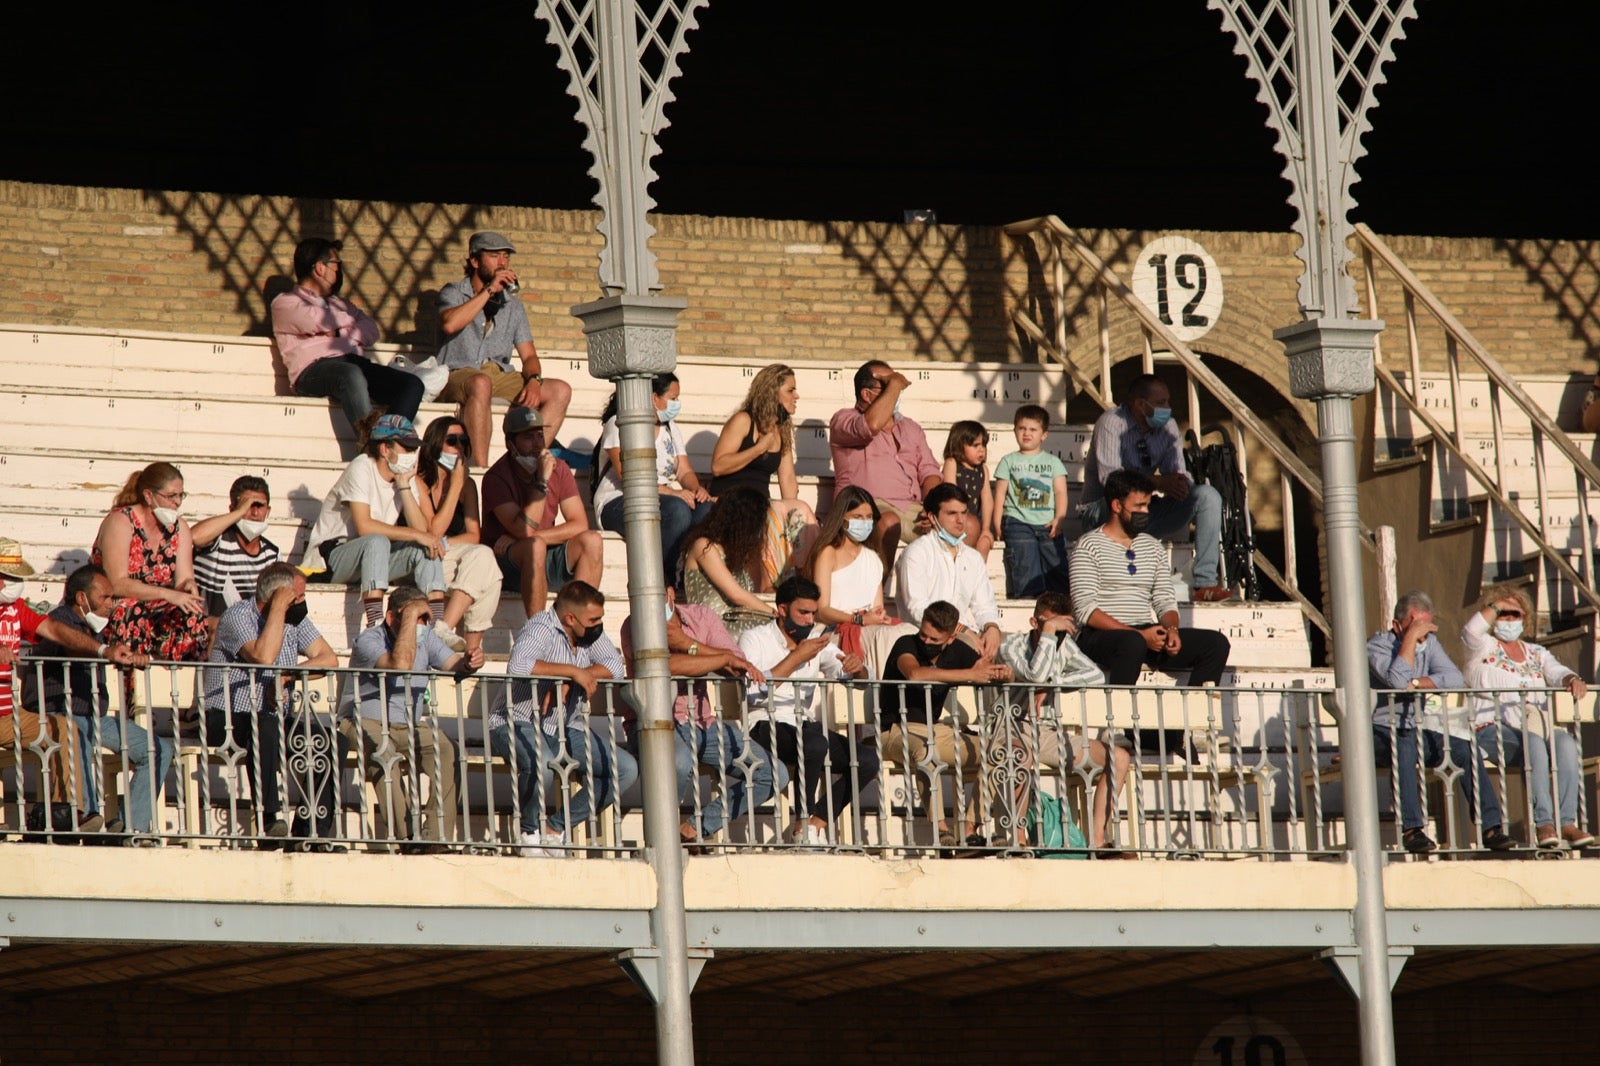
[
  {"x": 501, "y": 485},
  {"x": 18, "y": 623}
]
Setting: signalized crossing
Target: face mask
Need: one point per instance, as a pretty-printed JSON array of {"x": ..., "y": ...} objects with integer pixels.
[
  {"x": 1508, "y": 631},
  {"x": 796, "y": 631},
  {"x": 9, "y": 591},
  {"x": 897, "y": 410},
  {"x": 928, "y": 652},
  {"x": 669, "y": 612},
  {"x": 1160, "y": 416},
  {"x": 421, "y": 629},
  {"x": 858, "y": 529},
  {"x": 295, "y": 614},
  {"x": 167, "y": 516},
  {"x": 1135, "y": 522},
  {"x": 404, "y": 463},
  {"x": 251, "y": 530},
  {"x": 945, "y": 535},
  {"x": 589, "y": 636},
  {"x": 448, "y": 460},
  {"x": 338, "y": 281},
  {"x": 529, "y": 463},
  {"x": 668, "y": 413},
  {"x": 96, "y": 622}
]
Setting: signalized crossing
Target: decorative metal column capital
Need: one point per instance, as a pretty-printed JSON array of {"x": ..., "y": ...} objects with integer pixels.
[
  {"x": 631, "y": 335},
  {"x": 1330, "y": 357}
]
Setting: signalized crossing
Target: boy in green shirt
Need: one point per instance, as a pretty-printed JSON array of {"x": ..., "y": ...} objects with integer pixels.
[{"x": 1030, "y": 508}]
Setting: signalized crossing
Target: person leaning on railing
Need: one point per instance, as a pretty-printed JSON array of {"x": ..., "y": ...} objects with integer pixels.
[
  {"x": 913, "y": 731},
  {"x": 1409, "y": 656},
  {"x": 245, "y": 704},
  {"x": 79, "y": 689},
  {"x": 1516, "y": 672},
  {"x": 19, "y": 727},
  {"x": 390, "y": 723},
  {"x": 698, "y": 646}
]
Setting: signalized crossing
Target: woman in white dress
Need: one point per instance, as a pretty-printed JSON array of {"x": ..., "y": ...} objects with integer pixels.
[
  {"x": 1517, "y": 671},
  {"x": 847, "y": 568}
]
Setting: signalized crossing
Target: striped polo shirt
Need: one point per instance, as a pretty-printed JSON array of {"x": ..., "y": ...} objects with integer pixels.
[
  {"x": 1101, "y": 579},
  {"x": 226, "y": 573}
]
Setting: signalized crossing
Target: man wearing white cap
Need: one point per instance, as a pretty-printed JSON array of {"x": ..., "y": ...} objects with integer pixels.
[
  {"x": 482, "y": 324},
  {"x": 19, "y": 623}
]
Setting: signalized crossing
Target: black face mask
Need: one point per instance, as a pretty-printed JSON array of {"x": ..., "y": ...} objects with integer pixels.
[
  {"x": 338, "y": 282},
  {"x": 1135, "y": 522},
  {"x": 796, "y": 631},
  {"x": 588, "y": 636},
  {"x": 295, "y": 614},
  {"x": 927, "y": 652}
]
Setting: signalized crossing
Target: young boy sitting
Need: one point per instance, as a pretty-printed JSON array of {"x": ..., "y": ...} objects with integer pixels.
[{"x": 1030, "y": 508}]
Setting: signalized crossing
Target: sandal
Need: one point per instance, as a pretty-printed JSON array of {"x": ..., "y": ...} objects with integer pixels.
[{"x": 1417, "y": 842}]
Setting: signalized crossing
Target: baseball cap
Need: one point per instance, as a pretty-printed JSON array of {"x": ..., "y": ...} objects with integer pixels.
[
  {"x": 522, "y": 419},
  {"x": 488, "y": 241},
  {"x": 397, "y": 428}
]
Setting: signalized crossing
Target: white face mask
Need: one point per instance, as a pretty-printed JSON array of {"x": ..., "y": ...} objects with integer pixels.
[
  {"x": 858, "y": 529},
  {"x": 251, "y": 530},
  {"x": 448, "y": 460},
  {"x": 404, "y": 463},
  {"x": 10, "y": 590},
  {"x": 96, "y": 622},
  {"x": 529, "y": 463},
  {"x": 167, "y": 516},
  {"x": 669, "y": 612}
]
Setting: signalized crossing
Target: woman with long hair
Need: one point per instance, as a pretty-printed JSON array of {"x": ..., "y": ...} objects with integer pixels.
[
  {"x": 448, "y": 498},
  {"x": 683, "y": 501},
  {"x": 146, "y": 550},
  {"x": 723, "y": 564},
  {"x": 848, "y": 570},
  {"x": 756, "y": 445}
]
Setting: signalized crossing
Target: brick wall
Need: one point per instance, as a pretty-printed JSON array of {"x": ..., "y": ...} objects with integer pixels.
[
  {"x": 200, "y": 262},
  {"x": 138, "y": 1024}
]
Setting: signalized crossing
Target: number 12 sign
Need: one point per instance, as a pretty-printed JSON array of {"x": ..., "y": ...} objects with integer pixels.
[{"x": 1180, "y": 282}]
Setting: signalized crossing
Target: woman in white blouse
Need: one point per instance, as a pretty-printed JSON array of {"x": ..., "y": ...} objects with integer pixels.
[{"x": 1516, "y": 671}]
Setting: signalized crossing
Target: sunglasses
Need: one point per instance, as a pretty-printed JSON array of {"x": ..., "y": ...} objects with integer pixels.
[
  {"x": 1133, "y": 567},
  {"x": 1509, "y": 615},
  {"x": 458, "y": 440}
]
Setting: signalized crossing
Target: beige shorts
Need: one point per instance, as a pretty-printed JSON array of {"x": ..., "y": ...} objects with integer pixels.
[
  {"x": 908, "y": 518},
  {"x": 507, "y": 384}
]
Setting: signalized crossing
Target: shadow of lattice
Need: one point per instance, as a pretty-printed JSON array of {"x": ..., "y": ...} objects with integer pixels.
[
  {"x": 391, "y": 249},
  {"x": 1080, "y": 310},
  {"x": 1569, "y": 274},
  {"x": 946, "y": 285}
]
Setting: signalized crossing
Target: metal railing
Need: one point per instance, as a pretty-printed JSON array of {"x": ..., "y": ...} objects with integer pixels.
[
  {"x": 871, "y": 767},
  {"x": 1057, "y": 242},
  {"x": 1529, "y": 417}
]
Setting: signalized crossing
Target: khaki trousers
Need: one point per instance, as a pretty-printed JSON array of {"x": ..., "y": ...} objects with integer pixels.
[{"x": 386, "y": 749}]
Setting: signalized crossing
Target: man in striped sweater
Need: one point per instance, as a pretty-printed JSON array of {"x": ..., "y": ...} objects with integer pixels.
[{"x": 1121, "y": 580}]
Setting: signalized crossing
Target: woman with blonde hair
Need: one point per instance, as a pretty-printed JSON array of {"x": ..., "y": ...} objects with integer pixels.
[
  {"x": 146, "y": 550},
  {"x": 1515, "y": 672},
  {"x": 756, "y": 444}
]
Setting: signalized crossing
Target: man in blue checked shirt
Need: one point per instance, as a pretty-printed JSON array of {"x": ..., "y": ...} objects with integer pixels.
[
  {"x": 569, "y": 653},
  {"x": 390, "y": 724},
  {"x": 1409, "y": 656}
]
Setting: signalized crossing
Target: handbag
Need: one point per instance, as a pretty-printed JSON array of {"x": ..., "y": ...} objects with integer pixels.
[{"x": 1045, "y": 819}]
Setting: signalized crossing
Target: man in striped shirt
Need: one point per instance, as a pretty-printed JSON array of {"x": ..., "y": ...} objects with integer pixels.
[
  {"x": 231, "y": 550},
  {"x": 1121, "y": 579},
  {"x": 570, "y": 655}
]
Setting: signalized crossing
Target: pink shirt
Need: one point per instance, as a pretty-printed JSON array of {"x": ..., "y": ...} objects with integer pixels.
[
  {"x": 891, "y": 464},
  {"x": 703, "y": 626},
  {"x": 309, "y": 327}
]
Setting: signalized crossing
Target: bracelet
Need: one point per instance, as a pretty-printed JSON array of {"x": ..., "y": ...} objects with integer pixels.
[
  {"x": 856, "y": 618},
  {"x": 101, "y": 650}
]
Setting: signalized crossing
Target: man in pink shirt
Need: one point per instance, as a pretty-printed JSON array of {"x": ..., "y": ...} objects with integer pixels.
[
  {"x": 322, "y": 338},
  {"x": 885, "y": 453}
]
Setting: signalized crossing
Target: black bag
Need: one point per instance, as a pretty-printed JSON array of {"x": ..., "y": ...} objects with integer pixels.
[{"x": 60, "y": 822}]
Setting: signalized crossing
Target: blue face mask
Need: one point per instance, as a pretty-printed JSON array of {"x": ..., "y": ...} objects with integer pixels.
[
  {"x": 949, "y": 538},
  {"x": 669, "y": 612},
  {"x": 858, "y": 529},
  {"x": 1160, "y": 416},
  {"x": 1508, "y": 631},
  {"x": 670, "y": 412}
]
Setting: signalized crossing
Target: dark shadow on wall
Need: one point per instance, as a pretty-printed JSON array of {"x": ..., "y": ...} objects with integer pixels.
[
  {"x": 945, "y": 284},
  {"x": 249, "y": 244},
  {"x": 1572, "y": 283},
  {"x": 1081, "y": 310}
]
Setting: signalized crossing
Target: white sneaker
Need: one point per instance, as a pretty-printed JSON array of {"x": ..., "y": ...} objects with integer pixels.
[
  {"x": 532, "y": 845},
  {"x": 814, "y": 836},
  {"x": 552, "y": 845},
  {"x": 450, "y": 637}
]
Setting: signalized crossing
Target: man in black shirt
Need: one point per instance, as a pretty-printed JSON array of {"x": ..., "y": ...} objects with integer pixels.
[{"x": 914, "y": 732}]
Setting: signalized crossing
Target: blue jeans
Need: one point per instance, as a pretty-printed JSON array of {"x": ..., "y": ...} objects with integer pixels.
[
  {"x": 1170, "y": 517},
  {"x": 110, "y": 732},
  {"x": 595, "y": 758},
  {"x": 1403, "y": 758},
  {"x": 1505, "y": 746},
  {"x": 377, "y": 560},
  {"x": 724, "y": 748},
  {"x": 1034, "y": 560},
  {"x": 359, "y": 383},
  {"x": 677, "y": 518}
]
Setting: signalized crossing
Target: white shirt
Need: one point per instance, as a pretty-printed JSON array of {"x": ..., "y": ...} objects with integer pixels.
[
  {"x": 669, "y": 445},
  {"x": 766, "y": 647},
  {"x": 360, "y": 483},
  {"x": 926, "y": 571}
]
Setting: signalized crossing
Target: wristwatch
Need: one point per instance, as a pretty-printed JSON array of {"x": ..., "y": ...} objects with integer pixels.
[{"x": 694, "y": 648}]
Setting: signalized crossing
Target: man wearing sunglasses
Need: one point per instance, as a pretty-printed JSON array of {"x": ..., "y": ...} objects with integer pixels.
[
  {"x": 1140, "y": 435},
  {"x": 1121, "y": 580}
]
